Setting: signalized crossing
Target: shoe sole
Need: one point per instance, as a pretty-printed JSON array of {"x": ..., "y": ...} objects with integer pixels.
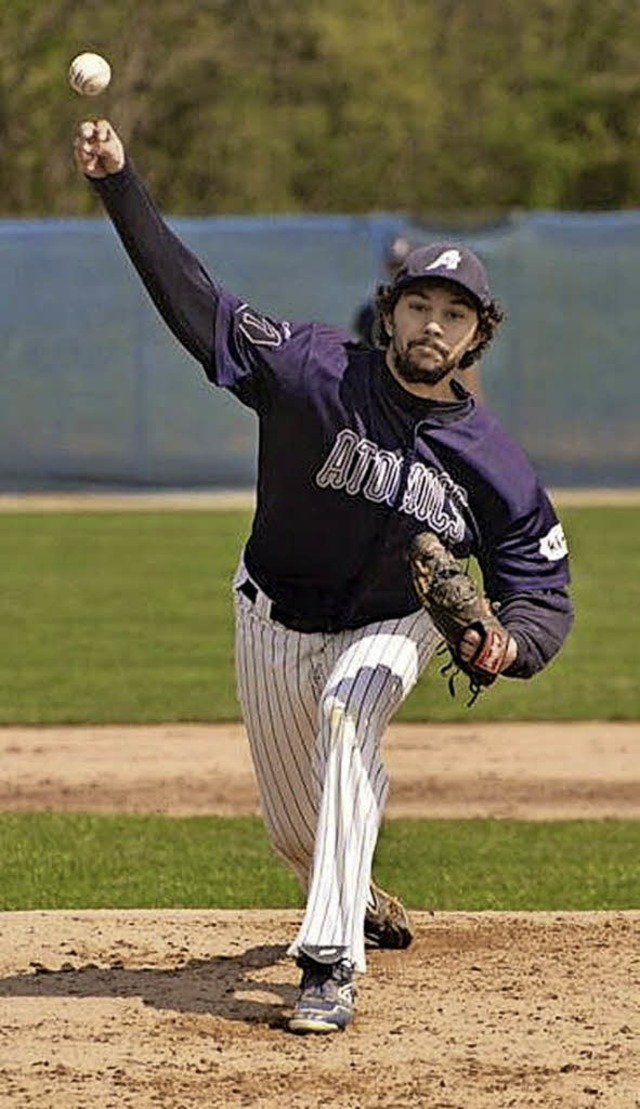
[{"x": 306, "y": 1025}]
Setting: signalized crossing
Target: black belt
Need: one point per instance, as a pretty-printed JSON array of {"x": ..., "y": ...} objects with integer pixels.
[{"x": 292, "y": 620}]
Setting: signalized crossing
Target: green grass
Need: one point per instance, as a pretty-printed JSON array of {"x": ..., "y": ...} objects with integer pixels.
[
  {"x": 114, "y": 617},
  {"x": 507, "y": 864},
  {"x": 68, "y": 861},
  {"x": 123, "y": 617}
]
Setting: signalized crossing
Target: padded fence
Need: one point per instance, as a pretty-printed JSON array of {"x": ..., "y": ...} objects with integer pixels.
[{"x": 94, "y": 391}]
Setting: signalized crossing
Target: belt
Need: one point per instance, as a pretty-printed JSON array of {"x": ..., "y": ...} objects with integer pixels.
[{"x": 292, "y": 620}]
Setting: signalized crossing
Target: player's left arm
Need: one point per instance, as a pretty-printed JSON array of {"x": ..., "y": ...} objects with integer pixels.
[
  {"x": 538, "y": 623},
  {"x": 526, "y": 575}
]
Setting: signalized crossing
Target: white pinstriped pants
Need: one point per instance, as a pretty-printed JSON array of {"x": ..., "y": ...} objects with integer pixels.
[{"x": 315, "y": 708}]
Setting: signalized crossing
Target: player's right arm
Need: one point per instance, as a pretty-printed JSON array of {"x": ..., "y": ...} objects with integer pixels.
[
  {"x": 178, "y": 284},
  {"x": 239, "y": 348}
]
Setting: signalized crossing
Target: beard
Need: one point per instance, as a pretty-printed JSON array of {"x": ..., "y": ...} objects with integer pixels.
[{"x": 412, "y": 371}]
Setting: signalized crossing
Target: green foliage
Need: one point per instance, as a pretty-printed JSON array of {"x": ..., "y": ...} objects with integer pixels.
[
  {"x": 73, "y": 861},
  {"x": 127, "y": 618},
  {"x": 267, "y": 106}
]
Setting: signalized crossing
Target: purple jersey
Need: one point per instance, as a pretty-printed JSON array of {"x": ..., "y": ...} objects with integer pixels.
[{"x": 351, "y": 464}]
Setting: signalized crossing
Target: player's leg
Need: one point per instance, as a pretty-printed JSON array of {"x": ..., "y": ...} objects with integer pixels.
[
  {"x": 278, "y": 689},
  {"x": 371, "y": 671}
]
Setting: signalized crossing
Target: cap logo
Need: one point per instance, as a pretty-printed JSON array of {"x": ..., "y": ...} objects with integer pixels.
[{"x": 448, "y": 260}]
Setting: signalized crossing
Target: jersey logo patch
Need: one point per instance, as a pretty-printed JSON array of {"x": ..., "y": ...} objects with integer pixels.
[
  {"x": 448, "y": 260},
  {"x": 553, "y": 545},
  {"x": 261, "y": 331}
]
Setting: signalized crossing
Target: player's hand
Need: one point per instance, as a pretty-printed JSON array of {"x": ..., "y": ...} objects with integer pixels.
[
  {"x": 470, "y": 641},
  {"x": 97, "y": 149}
]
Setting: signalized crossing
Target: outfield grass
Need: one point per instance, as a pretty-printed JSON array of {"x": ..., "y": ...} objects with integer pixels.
[
  {"x": 122, "y": 617},
  {"x": 71, "y": 861}
]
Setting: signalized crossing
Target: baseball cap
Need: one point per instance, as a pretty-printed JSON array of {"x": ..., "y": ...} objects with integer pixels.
[{"x": 448, "y": 261}]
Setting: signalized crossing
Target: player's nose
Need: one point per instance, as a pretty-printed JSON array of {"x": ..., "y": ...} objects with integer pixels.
[{"x": 433, "y": 330}]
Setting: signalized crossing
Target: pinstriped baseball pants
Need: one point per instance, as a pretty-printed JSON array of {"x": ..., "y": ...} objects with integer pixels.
[{"x": 315, "y": 708}]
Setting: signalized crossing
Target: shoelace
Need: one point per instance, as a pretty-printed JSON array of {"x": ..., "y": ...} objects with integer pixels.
[{"x": 452, "y": 671}]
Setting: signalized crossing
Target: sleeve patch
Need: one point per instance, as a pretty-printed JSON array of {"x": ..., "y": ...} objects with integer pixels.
[
  {"x": 260, "y": 331},
  {"x": 553, "y": 545}
]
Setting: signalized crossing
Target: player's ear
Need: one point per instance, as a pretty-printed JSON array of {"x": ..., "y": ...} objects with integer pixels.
[{"x": 387, "y": 323}]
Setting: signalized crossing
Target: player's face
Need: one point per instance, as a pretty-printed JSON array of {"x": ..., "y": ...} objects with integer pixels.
[{"x": 432, "y": 325}]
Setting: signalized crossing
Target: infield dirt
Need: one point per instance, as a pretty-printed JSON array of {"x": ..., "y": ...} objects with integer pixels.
[{"x": 183, "y": 1009}]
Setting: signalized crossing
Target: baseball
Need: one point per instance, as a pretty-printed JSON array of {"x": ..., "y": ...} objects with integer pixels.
[{"x": 89, "y": 74}]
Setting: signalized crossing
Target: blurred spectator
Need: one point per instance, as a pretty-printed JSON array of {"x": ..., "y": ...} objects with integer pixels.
[{"x": 364, "y": 320}]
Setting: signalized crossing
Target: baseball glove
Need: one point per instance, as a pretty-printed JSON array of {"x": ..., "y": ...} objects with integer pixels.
[{"x": 455, "y": 605}]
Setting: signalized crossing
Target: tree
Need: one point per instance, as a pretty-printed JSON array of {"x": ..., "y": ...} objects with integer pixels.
[{"x": 265, "y": 106}]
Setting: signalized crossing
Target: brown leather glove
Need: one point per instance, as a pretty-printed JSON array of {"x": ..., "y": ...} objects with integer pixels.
[{"x": 457, "y": 607}]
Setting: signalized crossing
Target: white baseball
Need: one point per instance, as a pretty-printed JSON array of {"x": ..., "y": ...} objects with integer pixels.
[{"x": 89, "y": 74}]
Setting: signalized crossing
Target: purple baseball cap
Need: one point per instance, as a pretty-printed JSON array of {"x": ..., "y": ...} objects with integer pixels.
[{"x": 446, "y": 261}]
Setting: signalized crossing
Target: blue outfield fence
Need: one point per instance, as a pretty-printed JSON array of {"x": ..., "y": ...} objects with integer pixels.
[{"x": 95, "y": 391}]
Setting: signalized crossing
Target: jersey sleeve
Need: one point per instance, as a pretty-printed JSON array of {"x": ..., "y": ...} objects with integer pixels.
[
  {"x": 525, "y": 569},
  {"x": 529, "y": 553},
  {"x": 176, "y": 281},
  {"x": 519, "y": 540},
  {"x": 239, "y": 348},
  {"x": 539, "y": 622},
  {"x": 254, "y": 353}
]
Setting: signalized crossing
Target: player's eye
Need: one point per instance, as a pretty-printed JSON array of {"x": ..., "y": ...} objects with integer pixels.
[{"x": 459, "y": 314}]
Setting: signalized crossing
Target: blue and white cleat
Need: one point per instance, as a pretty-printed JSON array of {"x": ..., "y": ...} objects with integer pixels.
[{"x": 327, "y": 993}]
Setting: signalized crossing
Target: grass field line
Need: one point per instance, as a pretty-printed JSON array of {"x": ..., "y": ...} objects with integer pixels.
[{"x": 236, "y": 499}]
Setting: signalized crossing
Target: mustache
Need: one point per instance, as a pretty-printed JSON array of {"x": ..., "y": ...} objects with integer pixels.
[{"x": 438, "y": 346}]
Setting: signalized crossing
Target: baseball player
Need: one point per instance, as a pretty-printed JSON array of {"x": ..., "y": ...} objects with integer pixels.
[{"x": 360, "y": 450}]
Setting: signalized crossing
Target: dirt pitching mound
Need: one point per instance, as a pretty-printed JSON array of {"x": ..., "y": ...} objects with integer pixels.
[
  {"x": 187, "y": 1009},
  {"x": 182, "y": 1010}
]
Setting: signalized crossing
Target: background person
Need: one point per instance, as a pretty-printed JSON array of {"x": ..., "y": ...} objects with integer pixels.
[{"x": 364, "y": 321}]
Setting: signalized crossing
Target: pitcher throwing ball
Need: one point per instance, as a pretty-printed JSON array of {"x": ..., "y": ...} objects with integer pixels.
[{"x": 360, "y": 452}]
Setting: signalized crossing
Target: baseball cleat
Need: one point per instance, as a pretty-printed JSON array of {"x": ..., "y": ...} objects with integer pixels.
[
  {"x": 386, "y": 921},
  {"x": 327, "y": 993}
]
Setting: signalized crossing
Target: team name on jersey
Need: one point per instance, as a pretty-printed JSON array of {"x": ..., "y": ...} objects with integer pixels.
[{"x": 363, "y": 469}]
